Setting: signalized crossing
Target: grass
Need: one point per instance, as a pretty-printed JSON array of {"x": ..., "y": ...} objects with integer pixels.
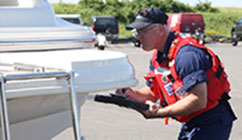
[{"x": 223, "y": 21}]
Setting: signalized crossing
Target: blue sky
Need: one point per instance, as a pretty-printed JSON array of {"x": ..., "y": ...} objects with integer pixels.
[{"x": 215, "y": 3}]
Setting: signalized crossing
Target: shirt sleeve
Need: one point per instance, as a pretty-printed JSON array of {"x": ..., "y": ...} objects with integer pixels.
[{"x": 191, "y": 65}]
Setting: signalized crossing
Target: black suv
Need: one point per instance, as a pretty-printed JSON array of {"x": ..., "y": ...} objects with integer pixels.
[
  {"x": 108, "y": 26},
  {"x": 236, "y": 32}
]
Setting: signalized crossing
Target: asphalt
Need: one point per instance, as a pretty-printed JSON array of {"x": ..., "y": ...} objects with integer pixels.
[{"x": 110, "y": 122}]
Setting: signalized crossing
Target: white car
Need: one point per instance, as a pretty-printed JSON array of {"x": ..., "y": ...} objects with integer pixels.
[{"x": 72, "y": 18}]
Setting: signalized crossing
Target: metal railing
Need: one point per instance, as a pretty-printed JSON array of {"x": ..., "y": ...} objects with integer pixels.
[{"x": 73, "y": 99}]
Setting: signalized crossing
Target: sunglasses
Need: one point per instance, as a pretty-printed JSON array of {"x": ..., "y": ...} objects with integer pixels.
[{"x": 136, "y": 32}]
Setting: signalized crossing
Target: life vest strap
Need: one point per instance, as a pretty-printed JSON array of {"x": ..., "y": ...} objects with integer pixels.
[
  {"x": 224, "y": 100},
  {"x": 219, "y": 71},
  {"x": 171, "y": 78}
]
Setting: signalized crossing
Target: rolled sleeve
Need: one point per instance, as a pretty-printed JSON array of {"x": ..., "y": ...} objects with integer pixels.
[
  {"x": 191, "y": 66},
  {"x": 194, "y": 78}
]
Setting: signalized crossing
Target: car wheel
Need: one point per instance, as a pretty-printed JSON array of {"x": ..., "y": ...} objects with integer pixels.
[
  {"x": 100, "y": 47},
  {"x": 234, "y": 43},
  {"x": 201, "y": 41},
  {"x": 137, "y": 43},
  {"x": 234, "y": 39}
]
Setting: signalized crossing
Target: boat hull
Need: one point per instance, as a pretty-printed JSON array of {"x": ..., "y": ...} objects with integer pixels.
[
  {"x": 32, "y": 107},
  {"x": 34, "y": 40}
]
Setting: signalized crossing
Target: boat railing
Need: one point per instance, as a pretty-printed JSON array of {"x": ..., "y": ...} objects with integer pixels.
[{"x": 27, "y": 76}]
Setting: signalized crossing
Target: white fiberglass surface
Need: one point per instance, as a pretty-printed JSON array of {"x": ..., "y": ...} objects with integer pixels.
[
  {"x": 60, "y": 59},
  {"x": 95, "y": 70}
]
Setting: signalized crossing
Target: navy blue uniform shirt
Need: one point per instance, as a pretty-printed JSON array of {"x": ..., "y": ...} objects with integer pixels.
[{"x": 191, "y": 63}]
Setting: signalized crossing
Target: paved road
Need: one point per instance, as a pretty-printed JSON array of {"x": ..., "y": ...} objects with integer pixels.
[{"x": 109, "y": 122}]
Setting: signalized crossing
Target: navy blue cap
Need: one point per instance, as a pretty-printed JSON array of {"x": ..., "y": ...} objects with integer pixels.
[{"x": 146, "y": 17}]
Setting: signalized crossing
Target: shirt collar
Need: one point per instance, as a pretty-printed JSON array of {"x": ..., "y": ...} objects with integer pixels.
[{"x": 162, "y": 56}]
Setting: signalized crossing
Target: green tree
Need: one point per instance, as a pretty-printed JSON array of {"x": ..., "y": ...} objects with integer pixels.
[{"x": 205, "y": 7}]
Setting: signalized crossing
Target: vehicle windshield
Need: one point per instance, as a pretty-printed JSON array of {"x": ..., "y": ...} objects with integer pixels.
[
  {"x": 106, "y": 21},
  {"x": 240, "y": 21},
  {"x": 73, "y": 20}
]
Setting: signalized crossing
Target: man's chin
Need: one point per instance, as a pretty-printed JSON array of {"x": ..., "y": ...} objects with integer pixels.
[{"x": 146, "y": 48}]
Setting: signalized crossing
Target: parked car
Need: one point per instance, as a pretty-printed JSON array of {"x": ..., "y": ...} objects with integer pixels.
[
  {"x": 107, "y": 26},
  {"x": 236, "y": 32},
  {"x": 191, "y": 24},
  {"x": 73, "y": 18}
]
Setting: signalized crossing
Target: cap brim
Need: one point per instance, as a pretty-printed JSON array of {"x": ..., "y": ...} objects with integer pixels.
[{"x": 137, "y": 25}]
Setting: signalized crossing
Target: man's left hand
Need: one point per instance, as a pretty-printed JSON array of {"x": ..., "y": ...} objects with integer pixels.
[{"x": 152, "y": 111}]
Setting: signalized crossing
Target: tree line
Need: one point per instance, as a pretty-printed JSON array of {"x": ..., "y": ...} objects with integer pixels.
[{"x": 125, "y": 11}]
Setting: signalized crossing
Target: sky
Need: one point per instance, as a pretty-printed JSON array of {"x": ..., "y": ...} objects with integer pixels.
[{"x": 215, "y": 3}]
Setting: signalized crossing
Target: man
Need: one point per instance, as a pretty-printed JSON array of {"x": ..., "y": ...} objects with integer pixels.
[{"x": 186, "y": 77}]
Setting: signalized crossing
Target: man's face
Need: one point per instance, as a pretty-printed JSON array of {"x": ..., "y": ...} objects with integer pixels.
[{"x": 152, "y": 37}]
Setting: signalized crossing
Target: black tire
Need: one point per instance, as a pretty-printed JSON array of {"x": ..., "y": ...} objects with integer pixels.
[
  {"x": 235, "y": 43},
  {"x": 234, "y": 39},
  {"x": 137, "y": 43},
  {"x": 101, "y": 47},
  {"x": 202, "y": 41}
]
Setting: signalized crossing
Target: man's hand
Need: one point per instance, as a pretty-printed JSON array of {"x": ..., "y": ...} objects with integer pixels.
[
  {"x": 152, "y": 111},
  {"x": 196, "y": 100},
  {"x": 126, "y": 92},
  {"x": 140, "y": 95}
]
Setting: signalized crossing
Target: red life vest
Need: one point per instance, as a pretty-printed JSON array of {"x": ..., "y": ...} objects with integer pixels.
[{"x": 168, "y": 86}]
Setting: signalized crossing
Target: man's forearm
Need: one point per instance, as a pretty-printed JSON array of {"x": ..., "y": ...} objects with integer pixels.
[
  {"x": 180, "y": 108},
  {"x": 196, "y": 100}
]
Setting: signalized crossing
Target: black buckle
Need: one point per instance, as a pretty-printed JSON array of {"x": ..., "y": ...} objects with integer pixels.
[{"x": 171, "y": 78}]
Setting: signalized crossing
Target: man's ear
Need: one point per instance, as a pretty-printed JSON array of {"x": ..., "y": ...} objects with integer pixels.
[{"x": 161, "y": 28}]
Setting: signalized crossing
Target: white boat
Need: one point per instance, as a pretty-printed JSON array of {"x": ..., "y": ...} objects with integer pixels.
[
  {"x": 32, "y": 25},
  {"x": 40, "y": 43}
]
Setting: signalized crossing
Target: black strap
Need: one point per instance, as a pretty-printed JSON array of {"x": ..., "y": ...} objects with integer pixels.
[
  {"x": 224, "y": 100},
  {"x": 171, "y": 78},
  {"x": 225, "y": 96},
  {"x": 173, "y": 81},
  {"x": 219, "y": 71}
]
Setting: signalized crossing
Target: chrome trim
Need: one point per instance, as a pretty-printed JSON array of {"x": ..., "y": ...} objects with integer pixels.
[{"x": 4, "y": 111}]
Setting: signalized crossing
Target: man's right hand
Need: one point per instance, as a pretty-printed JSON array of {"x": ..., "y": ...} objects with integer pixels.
[
  {"x": 141, "y": 95},
  {"x": 126, "y": 92}
]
